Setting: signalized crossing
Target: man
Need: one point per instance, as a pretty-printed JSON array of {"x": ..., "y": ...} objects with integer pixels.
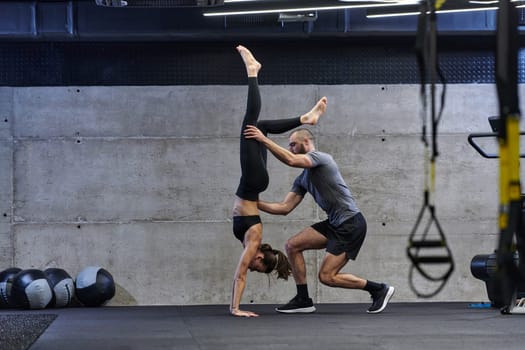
[{"x": 342, "y": 234}]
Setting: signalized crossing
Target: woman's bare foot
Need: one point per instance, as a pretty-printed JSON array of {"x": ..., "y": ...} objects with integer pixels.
[
  {"x": 313, "y": 116},
  {"x": 252, "y": 66}
]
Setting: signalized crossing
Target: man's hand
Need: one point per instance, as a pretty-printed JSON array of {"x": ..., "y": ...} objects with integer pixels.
[
  {"x": 241, "y": 313},
  {"x": 252, "y": 132},
  {"x": 281, "y": 153}
]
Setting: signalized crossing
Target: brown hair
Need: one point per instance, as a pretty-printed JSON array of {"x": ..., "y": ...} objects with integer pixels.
[{"x": 275, "y": 260}]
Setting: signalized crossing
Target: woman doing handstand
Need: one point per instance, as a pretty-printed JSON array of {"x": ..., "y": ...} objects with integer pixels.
[{"x": 247, "y": 226}]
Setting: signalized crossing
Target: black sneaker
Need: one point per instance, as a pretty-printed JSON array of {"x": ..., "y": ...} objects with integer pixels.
[
  {"x": 380, "y": 299},
  {"x": 297, "y": 305}
]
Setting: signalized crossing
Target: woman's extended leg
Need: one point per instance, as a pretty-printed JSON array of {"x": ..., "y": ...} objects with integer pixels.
[
  {"x": 254, "y": 177},
  {"x": 279, "y": 126}
]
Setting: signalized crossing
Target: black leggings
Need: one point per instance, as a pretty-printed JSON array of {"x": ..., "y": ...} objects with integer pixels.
[{"x": 254, "y": 177}]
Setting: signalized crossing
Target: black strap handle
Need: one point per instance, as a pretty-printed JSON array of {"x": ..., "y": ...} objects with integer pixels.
[
  {"x": 418, "y": 244},
  {"x": 421, "y": 250},
  {"x": 479, "y": 149}
]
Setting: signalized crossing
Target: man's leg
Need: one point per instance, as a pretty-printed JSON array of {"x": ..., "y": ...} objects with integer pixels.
[
  {"x": 305, "y": 240},
  {"x": 330, "y": 275}
]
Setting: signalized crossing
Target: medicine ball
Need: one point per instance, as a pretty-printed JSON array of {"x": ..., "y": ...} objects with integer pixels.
[
  {"x": 31, "y": 290},
  {"x": 94, "y": 286},
  {"x": 6, "y": 281},
  {"x": 62, "y": 285}
]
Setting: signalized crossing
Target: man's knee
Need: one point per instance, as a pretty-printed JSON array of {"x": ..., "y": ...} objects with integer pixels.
[
  {"x": 290, "y": 247},
  {"x": 327, "y": 278}
]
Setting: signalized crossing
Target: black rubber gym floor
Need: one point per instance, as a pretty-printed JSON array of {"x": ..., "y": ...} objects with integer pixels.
[{"x": 427, "y": 326}]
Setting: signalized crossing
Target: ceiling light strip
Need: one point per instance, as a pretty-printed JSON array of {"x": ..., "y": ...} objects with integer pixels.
[
  {"x": 300, "y": 9},
  {"x": 415, "y": 13}
]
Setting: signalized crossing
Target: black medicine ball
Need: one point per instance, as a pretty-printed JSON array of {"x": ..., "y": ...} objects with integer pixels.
[
  {"x": 94, "y": 286},
  {"x": 6, "y": 282},
  {"x": 31, "y": 289},
  {"x": 62, "y": 285}
]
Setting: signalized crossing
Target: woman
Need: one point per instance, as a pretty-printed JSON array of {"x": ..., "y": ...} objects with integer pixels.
[{"x": 247, "y": 226}]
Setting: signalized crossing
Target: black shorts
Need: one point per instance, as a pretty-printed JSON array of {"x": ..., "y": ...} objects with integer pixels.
[{"x": 347, "y": 237}]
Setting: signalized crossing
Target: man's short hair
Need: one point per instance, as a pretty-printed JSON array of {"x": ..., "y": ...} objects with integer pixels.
[{"x": 304, "y": 133}]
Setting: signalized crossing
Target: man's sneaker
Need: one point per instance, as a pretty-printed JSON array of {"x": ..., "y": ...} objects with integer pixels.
[
  {"x": 297, "y": 305},
  {"x": 380, "y": 299}
]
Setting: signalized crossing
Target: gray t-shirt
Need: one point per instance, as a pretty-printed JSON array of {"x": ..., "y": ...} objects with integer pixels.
[{"x": 325, "y": 183}]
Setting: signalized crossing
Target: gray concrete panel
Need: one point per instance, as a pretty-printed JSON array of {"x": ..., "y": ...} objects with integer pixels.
[
  {"x": 467, "y": 185},
  {"x": 130, "y": 179},
  {"x": 6, "y": 246},
  {"x": 6, "y": 180},
  {"x": 6, "y": 200},
  {"x": 6, "y": 112},
  {"x": 158, "y": 263},
  {"x": 395, "y": 109},
  {"x": 370, "y": 109},
  {"x": 468, "y": 107},
  {"x": 175, "y": 111}
]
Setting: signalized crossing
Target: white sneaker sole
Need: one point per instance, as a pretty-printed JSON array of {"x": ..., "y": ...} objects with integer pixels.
[
  {"x": 388, "y": 296},
  {"x": 304, "y": 310}
]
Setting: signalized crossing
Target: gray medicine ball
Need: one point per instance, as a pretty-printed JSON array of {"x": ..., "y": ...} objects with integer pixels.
[{"x": 31, "y": 289}]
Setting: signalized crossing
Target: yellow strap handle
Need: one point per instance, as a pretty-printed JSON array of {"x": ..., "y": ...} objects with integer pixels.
[
  {"x": 439, "y": 3},
  {"x": 510, "y": 189}
]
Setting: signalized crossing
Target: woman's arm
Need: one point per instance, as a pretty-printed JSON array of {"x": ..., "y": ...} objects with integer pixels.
[{"x": 252, "y": 242}]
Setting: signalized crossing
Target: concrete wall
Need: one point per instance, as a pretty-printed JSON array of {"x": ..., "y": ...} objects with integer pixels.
[{"x": 140, "y": 181}]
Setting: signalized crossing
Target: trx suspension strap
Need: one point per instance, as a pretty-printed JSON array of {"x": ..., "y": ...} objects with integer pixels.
[
  {"x": 510, "y": 211},
  {"x": 422, "y": 249}
]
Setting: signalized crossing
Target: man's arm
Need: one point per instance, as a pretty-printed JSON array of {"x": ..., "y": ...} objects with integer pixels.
[
  {"x": 285, "y": 156},
  {"x": 289, "y": 203}
]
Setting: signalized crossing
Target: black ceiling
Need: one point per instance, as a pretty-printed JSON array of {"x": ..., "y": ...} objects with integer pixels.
[{"x": 86, "y": 21}]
